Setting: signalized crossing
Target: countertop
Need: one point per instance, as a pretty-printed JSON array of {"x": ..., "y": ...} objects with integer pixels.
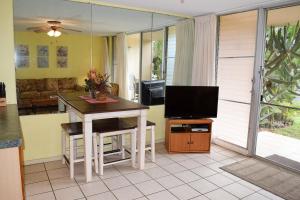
[{"x": 10, "y": 128}]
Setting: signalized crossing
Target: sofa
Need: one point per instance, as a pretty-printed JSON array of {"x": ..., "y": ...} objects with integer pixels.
[{"x": 43, "y": 91}]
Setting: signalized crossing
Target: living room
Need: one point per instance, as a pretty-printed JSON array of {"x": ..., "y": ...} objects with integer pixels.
[{"x": 51, "y": 46}]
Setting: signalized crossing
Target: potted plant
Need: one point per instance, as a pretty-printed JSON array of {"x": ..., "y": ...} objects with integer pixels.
[{"x": 97, "y": 84}]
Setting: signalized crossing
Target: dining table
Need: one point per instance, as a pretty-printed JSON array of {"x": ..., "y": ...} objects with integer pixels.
[{"x": 80, "y": 109}]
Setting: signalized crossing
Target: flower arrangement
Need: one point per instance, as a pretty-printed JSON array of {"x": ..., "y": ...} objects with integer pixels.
[{"x": 97, "y": 84}]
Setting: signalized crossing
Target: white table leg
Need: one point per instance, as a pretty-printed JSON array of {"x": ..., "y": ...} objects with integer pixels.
[
  {"x": 87, "y": 132},
  {"x": 141, "y": 138}
]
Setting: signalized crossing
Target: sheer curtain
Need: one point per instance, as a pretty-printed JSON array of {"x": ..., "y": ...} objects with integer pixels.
[
  {"x": 184, "y": 52},
  {"x": 121, "y": 68},
  {"x": 203, "y": 71}
]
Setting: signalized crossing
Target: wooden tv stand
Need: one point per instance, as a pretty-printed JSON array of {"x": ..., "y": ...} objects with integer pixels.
[{"x": 188, "y": 135}]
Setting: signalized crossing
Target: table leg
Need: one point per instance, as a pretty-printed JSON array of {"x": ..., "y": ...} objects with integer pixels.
[
  {"x": 87, "y": 132},
  {"x": 141, "y": 138}
]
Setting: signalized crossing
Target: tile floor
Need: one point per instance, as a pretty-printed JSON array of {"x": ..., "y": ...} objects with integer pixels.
[{"x": 173, "y": 176}]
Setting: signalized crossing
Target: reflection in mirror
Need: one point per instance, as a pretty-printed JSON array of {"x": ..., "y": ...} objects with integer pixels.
[
  {"x": 133, "y": 62},
  {"x": 52, "y": 51},
  {"x": 161, "y": 46},
  {"x": 58, "y": 41}
]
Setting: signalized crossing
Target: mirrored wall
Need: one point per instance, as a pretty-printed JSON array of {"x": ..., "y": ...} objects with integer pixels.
[{"x": 58, "y": 41}]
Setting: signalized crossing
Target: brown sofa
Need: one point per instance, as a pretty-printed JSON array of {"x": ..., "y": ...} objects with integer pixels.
[{"x": 43, "y": 91}]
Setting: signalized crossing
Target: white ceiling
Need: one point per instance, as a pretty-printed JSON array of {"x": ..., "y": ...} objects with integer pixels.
[
  {"x": 105, "y": 20},
  {"x": 193, "y": 7},
  {"x": 111, "y": 20}
]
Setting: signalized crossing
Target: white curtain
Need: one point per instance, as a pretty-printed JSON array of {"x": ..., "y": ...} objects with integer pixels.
[
  {"x": 203, "y": 72},
  {"x": 105, "y": 63},
  {"x": 121, "y": 68},
  {"x": 184, "y": 52}
]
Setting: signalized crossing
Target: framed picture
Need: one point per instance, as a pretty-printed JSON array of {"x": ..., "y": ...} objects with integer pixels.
[
  {"x": 22, "y": 56},
  {"x": 62, "y": 56},
  {"x": 42, "y": 56}
]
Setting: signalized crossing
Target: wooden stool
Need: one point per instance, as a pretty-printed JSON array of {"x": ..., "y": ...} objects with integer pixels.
[
  {"x": 132, "y": 122},
  {"x": 110, "y": 128},
  {"x": 102, "y": 135},
  {"x": 74, "y": 132}
]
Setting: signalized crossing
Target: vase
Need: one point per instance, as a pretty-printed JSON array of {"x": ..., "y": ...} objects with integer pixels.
[
  {"x": 92, "y": 94},
  {"x": 101, "y": 97}
]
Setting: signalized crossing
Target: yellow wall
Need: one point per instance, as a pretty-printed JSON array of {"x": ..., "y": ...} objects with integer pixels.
[
  {"x": 42, "y": 133},
  {"x": 156, "y": 114},
  {"x": 79, "y": 55},
  {"x": 7, "y": 70}
]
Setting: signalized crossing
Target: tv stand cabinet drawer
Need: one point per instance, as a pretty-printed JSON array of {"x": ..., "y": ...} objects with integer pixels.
[
  {"x": 200, "y": 142},
  {"x": 180, "y": 142}
]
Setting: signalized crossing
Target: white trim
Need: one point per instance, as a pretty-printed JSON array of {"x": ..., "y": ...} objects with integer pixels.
[
  {"x": 230, "y": 146},
  {"x": 275, "y": 4},
  {"x": 42, "y": 160},
  {"x": 256, "y": 87}
]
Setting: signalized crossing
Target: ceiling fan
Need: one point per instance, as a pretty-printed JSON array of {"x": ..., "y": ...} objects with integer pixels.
[{"x": 53, "y": 28}]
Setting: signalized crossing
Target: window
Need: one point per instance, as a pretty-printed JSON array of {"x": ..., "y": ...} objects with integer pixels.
[
  {"x": 171, "y": 52},
  {"x": 133, "y": 65}
]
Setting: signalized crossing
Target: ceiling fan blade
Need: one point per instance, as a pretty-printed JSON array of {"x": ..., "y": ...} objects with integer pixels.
[
  {"x": 38, "y": 29},
  {"x": 34, "y": 28},
  {"x": 69, "y": 29}
]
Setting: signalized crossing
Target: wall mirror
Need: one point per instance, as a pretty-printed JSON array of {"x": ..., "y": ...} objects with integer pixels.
[{"x": 58, "y": 41}]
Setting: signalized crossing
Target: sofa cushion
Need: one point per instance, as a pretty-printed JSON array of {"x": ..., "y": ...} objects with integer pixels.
[
  {"x": 67, "y": 83},
  {"x": 30, "y": 95},
  {"x": 24, "y": 103},
  {"x": 40, "y": 85},
  {"x": 25, "y": 85},
  {"x": 51, "y": 84},
  {"x": 67, "y": 90},
  {"x": 47, "y": 94}
]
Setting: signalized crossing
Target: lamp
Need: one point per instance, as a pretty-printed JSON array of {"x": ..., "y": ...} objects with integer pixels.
[{"x": 54, "y": 33}]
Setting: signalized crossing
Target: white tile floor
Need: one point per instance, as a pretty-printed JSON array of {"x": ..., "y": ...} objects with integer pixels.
[{"x": 172, "y": 177}]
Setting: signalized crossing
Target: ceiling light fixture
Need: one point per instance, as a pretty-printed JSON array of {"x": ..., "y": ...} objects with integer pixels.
[{"x": 54, "y": 33}]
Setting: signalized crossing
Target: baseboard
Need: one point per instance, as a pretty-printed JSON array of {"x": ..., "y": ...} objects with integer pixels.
[
  {"x": 42, "y": 160},
  {"x": 230, "y": 146}
]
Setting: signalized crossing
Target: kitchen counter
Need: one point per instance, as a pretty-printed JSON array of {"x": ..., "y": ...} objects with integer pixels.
[
  {"x": 10, "y": 128},
  {"x": 11, "y": 154}
]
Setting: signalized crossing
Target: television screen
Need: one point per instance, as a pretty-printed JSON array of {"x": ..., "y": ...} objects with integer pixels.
[
  {"x": 191, "y": 101},
  {"x": 153, "y": 92}
]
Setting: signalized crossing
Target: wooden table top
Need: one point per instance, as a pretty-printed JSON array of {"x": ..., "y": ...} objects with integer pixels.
[{"x": 84, "y": 107}]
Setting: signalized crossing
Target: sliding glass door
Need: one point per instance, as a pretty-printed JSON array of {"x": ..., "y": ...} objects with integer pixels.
[
  {"x": 278, "y": 138},
  {"x": 236, "y": 55}
]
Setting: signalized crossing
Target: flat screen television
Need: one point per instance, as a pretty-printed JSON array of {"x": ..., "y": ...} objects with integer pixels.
[
  {"x": 191, "y": 101},
  {"x": 153, "y": 92}
]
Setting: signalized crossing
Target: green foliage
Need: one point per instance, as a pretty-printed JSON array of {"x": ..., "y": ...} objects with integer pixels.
[
  {"x": 157, "y": 58},
  {"x": 281, "y": 80}
]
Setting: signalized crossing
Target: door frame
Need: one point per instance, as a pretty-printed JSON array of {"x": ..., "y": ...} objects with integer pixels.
[{"x": 257, "y": 76}]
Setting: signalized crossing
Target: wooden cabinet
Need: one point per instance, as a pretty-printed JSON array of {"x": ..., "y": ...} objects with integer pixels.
[
  {"x": 188, "y": 135},
  {"x": 180, "y": 142}
]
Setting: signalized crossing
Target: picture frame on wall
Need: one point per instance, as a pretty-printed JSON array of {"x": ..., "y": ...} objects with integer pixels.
[
  {"x": 22, "y": 56},
  {"x": 62, "y": 56},
  {"x": 42, "y": 56}
]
